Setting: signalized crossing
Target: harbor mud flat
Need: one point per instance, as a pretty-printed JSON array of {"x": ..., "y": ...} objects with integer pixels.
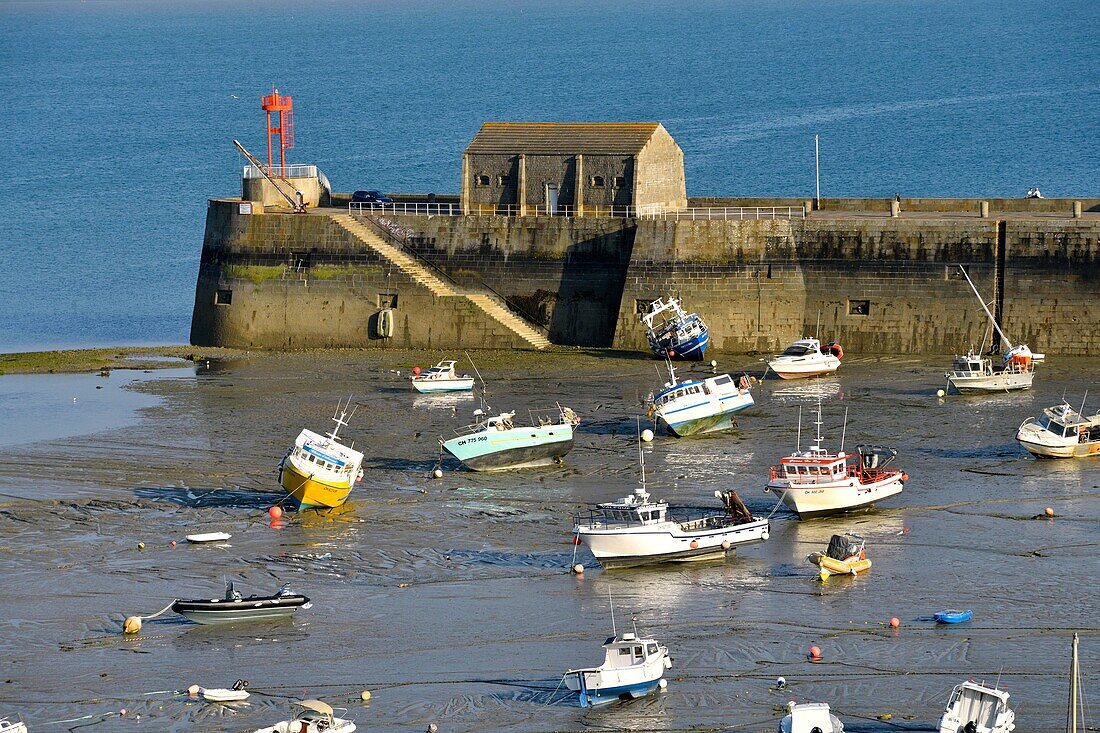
[{"x": 450, "y": 599}]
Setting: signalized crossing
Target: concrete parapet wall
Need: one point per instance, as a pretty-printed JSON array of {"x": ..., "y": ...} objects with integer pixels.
[{"x": 929, "y": 205}]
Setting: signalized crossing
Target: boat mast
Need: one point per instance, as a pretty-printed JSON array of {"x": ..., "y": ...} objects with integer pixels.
[
  {"x": 341, "y": 416},
  {"x": 1074, "y": 671},
  {"x": 985, "y": 308},
  {"x": 614, "y": 631},
  {"x": 1081, "y": 412},
  {"x": 844, "y": 430},
  {"x": 817, "y": 443},
  {"x": 641, "y": 454},
  {"x": 798, "y": 443}
]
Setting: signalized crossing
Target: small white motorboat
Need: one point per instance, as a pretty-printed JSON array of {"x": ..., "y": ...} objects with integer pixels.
[
  {"x": 975, "y": 373},
  {"x": 636, "y": 530},
  {"x": 816, "y": 483},
  {"x": 315, "y": 717},
  {"x": 810, "y": 717},
  {"x": 975, "y": 708},
  {"x": 441, "y": 378},
  {"x": 205, "y": 537},
  {"x": 1061, "y": 432},
  {"x": 805, "y": 358},
  {"x": 237, "y": 693},
  {"x": 633, "y": 667},
  {"x": 694, "y": 407},
  {"x": 12, "y": 726}
]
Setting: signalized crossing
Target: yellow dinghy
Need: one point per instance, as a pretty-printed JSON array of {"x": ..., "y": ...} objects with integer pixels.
[{"x": 846, "y": 555}]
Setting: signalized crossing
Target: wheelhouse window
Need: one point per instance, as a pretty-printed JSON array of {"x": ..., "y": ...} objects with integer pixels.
[
  {"x": 596, "y": 182},
  {"x": 798, "y": 350},
  {"x": 724, "y": 379}
]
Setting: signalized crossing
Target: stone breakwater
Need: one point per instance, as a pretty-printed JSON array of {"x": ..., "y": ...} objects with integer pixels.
[{"x": 878, "y": 284}]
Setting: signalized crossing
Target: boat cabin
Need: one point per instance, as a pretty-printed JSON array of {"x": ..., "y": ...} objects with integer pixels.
[
  {"x": 972, "y": 364},
  {"x": 803, "y": 347},
  {"x": 320, "y": 453},
  {"x": 978, "y": 708},
  {"x": 1065, "y": 422},
  {"x": 627, "y": 650},
  {"x": 442, "y": 370},
  {"x": 722, "y": 384},
  {"x": 636, "y": 509},
  {"x": 814, "y": 466}
]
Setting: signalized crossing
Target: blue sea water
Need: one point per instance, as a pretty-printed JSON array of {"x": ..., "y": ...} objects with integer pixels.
[{"x": 119, "y": 116}]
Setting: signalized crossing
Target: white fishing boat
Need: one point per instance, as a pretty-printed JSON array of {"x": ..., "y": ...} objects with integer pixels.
[
  {"x": 1061, "y": 432},
  {"x": 441, "y": 378},
  {"x": 700, "y": 406},
  {"x": 975, "y": 708},
  {"x": 320, "y": 470},
  {"x": 976, "y": 373},
  {"x": 12, "y": 726},
  {"x": 314, "y": 717},
  {"x": 674, "y": 333},
  {"x": 816, "y": 483},
  {"x": 805, "y": 358},
  {"x": 633, "y": 667},
  {"x": 496, "y": 443},
  {"x": 636, "y": 530},
  {"x": 810, "y": 717}
]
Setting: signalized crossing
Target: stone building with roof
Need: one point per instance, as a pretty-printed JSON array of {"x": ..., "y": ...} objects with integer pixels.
[{"x": 572, "y": 168}]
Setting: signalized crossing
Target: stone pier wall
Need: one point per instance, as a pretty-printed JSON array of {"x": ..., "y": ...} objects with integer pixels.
[{"x": 877, "y": 284}]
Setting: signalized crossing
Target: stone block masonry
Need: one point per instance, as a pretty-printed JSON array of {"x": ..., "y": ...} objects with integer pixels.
[{"x": 878, "y": 285}]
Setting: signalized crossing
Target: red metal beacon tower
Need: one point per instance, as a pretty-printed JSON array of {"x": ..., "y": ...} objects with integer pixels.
[{"x": 281, "y": 108}]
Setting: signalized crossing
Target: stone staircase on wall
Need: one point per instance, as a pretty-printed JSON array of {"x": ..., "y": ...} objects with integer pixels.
[{"x": 487, "y": 304}]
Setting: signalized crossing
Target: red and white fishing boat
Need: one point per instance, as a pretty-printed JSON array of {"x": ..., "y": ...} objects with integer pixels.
[{"x": 817, "y": 483}]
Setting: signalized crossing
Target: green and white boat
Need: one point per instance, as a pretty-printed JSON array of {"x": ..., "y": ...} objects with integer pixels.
[{"x": 496, "y": 443}]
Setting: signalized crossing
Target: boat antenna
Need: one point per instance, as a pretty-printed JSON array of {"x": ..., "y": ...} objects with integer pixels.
[
  {"x": 817, "y": 328},
  {"x": 341, "y": 416},
  {"x": 485, "y": 408},
  {"x": 614, "y": 631},
  {"x": 985, "y": 308},
  {"x": 671, "y": 371},
  {"x": 844, "y": 430},
  {"x": 1074, "y": 681},
  {"x": 1081, "y": 412},
  {"x": 641, "y": 453},
  {"x": 817, "y": 444},
  {"x": 798, "y": 444}
]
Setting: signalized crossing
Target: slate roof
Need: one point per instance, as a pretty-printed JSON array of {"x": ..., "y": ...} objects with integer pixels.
[{"x": 562, "y": 138}]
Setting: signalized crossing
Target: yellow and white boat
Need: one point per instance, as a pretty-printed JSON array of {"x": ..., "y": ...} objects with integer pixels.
[
  {"x": 319, "y": 471},
  {"x": 846, "y": 555}
]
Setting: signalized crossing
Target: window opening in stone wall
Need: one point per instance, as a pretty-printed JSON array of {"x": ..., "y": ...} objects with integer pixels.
[
  {"x": 223, "y": 297},
  {"x": 859, "y": 307},
  {"x": 485, "y": 239},
  {"x": 482, "y": 179},
  {"x": 620, "y": 182},
  {"x": 504, "y": 179},
  {"x": 596, "y": 181},
  {"x": 387, "y": 300}
]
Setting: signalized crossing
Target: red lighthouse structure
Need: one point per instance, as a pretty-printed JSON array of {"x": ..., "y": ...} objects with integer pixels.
[{"x": 279, "y": 108}]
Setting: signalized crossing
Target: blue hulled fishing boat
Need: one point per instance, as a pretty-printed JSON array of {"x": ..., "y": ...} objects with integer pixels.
[{"x": 673, "y": 333}]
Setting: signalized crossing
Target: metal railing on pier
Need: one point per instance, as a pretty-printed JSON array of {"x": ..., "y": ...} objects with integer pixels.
[
  {"x": 718, "y": 213},
  {"x": 280, "y": 171},
  {"x": 362, "y": 208}
]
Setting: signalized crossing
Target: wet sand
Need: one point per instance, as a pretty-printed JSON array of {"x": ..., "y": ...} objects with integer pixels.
[{"x": 449, "y": 599}]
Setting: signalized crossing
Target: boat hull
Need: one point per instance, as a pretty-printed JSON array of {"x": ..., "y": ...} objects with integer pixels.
[
  {"x": 606, "y": 695},
  {"x": 515, "y": 448},
  {"x": 428, "y": 386},
  {"x": 621, "y": 547},
  {"x": 804, "y": 368},
  {"x": 310, "y": 493},
  {"x": 1000, "y": 382},
  {"x": 246, "y": 609},
  {"x": 691, "y": 350},
  {"x": 703, "y": 418},
  {"x": 823, "y": 501}
]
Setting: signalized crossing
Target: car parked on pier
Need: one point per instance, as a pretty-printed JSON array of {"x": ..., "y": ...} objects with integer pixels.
[{"x": 371, "y": 197}]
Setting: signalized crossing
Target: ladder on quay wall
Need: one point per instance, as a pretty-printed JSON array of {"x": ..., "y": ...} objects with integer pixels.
[{"x": 422, "y": 275}]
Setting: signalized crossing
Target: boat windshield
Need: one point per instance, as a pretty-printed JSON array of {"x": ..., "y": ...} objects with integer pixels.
[
  {"x": 799, "y": 350},
  {"x": 978, "y": 707}
]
